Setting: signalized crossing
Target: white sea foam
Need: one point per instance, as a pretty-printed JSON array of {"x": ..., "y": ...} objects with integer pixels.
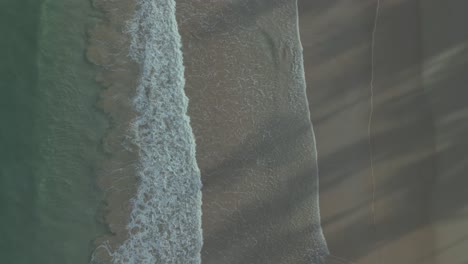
[{"x": 165, "y": 225}]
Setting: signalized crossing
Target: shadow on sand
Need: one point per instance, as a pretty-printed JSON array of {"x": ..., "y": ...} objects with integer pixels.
[{"x": 418, "y": 128}]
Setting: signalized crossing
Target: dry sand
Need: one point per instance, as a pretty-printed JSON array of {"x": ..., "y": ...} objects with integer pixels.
[
  {"x": 255, "y": 146},
  {"x": 445, "y": 57},
  {"x": 417, "y": 130}
]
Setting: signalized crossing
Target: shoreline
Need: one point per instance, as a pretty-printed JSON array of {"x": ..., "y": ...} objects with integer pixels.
[
  {"x": 108, "y": 46},
  {"x": 278, "y": 69}
]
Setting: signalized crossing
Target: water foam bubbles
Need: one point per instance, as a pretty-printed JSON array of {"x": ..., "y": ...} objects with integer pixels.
[{"x": 165, "y": 222}]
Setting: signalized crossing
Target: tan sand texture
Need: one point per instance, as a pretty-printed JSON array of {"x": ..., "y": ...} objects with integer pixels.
[
  {"x": 255, "y": 145},
  {"x": 393, "y": 193}
]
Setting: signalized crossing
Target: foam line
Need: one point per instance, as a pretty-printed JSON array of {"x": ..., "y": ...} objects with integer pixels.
[{"x": 165, "y": 225}]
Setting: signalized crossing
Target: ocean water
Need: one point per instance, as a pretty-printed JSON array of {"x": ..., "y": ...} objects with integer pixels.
[
  {"x": 50, "y": 133},
  {"x": 18, "y": 78}
]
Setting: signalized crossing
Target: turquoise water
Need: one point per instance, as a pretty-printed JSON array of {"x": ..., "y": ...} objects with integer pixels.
[{"x": 50, "y": 133}]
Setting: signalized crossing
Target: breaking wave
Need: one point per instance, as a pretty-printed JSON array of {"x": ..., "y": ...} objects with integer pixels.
[{"x": 165, "y": 221}]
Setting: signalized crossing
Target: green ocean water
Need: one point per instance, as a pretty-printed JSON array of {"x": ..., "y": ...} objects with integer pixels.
[{"x": 50, "y": 133}]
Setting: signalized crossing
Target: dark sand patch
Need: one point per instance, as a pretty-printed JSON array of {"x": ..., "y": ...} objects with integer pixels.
[{"x": 445, "y": 57}]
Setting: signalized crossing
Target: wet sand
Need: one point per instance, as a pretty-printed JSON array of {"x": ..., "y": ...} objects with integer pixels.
[
  {"x": 416, "y": 142},
  {"x": 255, "y": 145}
]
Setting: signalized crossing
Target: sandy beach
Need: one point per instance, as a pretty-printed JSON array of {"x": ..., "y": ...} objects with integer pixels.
[
  {"x": 444, "y": 76},
  {"x": 415, "y": 184},
  {"x": 379, "y": 215},
  {"x": 255, "y": 146},
  {"x": 248, "y": 109},
  {"x": 382, "y": 90}
]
